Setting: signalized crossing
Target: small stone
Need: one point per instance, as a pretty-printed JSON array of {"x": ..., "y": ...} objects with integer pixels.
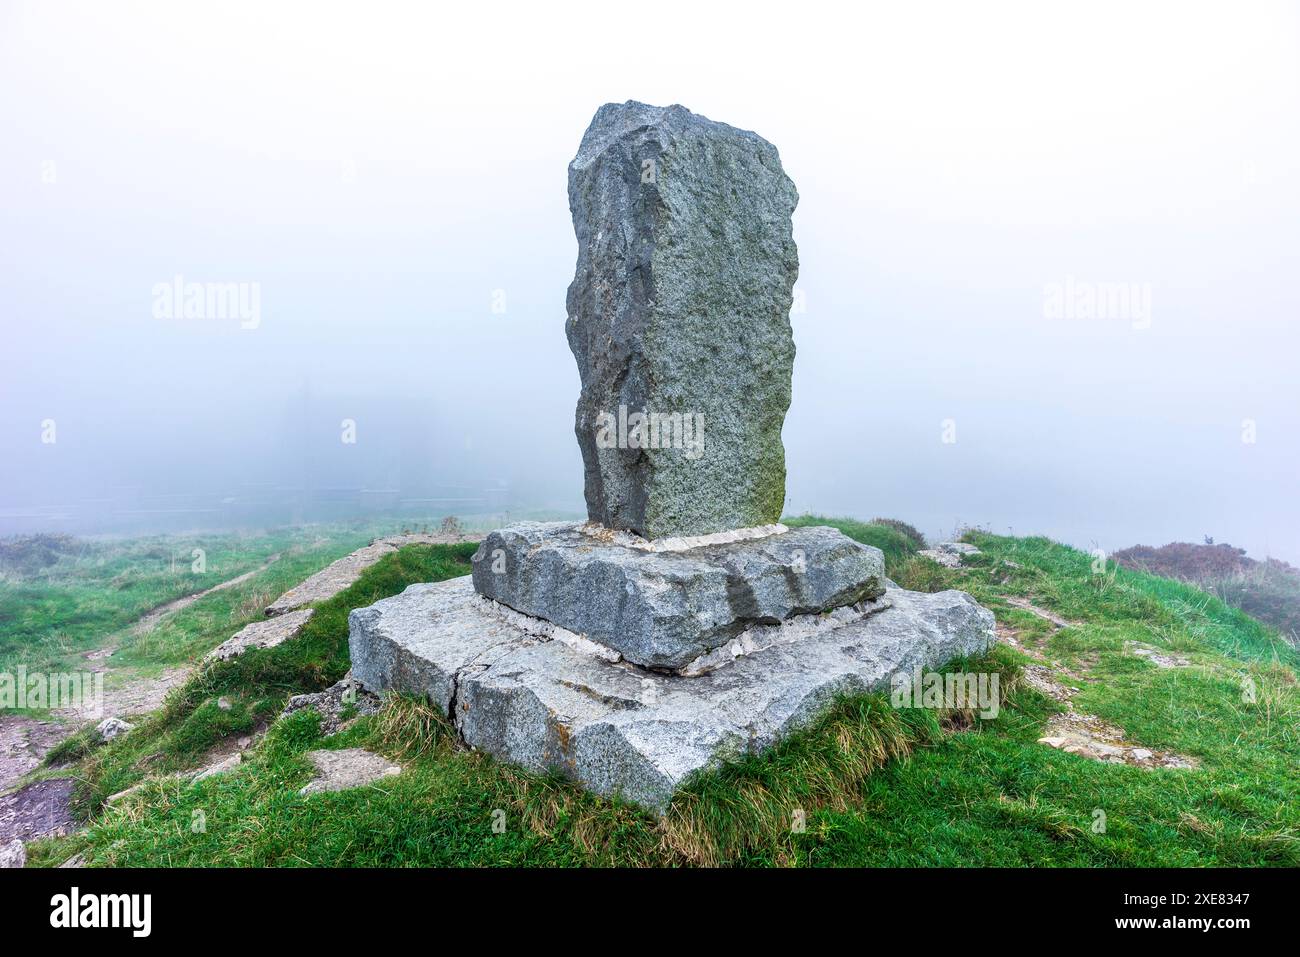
[
  {"x": 76, "y": 860},
  {"x": 110, "y": 728},
  {"x": 1142, "y": 754},
  {"x": 221, "y": 767},
  {"x": 949, "y": 554},
  {"x": 13, "y": 854},
  {"x": 125, "y": 793},
  {"x": 223, "y": 703},
  {"x": 348, "y": 768}
]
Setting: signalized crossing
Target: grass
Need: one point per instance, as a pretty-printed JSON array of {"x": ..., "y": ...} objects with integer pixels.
[
  {"x": 1268, "y": 590},
  {"x": 86, "y": 590},
  {"x": 868, "y": 785}
]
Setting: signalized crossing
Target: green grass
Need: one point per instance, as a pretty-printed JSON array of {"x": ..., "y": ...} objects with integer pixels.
[
  {"x": 873, "y": 785},
  {"x": 96, "y": 589}
]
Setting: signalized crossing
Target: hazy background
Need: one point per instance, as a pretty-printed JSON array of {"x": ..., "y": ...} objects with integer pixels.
[{"x": 383, "y": 171}]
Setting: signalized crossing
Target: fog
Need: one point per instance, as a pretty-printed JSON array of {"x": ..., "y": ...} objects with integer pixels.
[{"x": 1049, "y": 257}]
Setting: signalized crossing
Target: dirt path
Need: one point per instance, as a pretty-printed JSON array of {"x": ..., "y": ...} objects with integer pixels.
[
  {"x": 1083, "y": 734},
  {"x": 24, "y": 741},
  {"x": 150, "y": 619}
]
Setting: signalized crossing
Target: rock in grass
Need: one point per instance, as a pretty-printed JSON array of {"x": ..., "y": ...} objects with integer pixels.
[
  {"x": 220, "y": 767},
  {"x": 110, "y": 728},
  {"x": 13, "y": 854},
  {"x": 950, "y": 554},
  {"x": 337, "y": 705},
  {"x": 119, "y": 796},
  {"x": 680, "y": 309},
  {"x": 348, "y": 768}
]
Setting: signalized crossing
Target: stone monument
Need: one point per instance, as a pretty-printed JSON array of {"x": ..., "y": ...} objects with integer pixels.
[{"x": 682, "y": 624}]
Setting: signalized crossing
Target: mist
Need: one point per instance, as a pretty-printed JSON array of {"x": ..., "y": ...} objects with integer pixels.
[{"x": 1048, "y": 258}]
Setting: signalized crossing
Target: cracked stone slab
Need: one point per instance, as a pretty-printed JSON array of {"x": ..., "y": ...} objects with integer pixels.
[
  {"x": 513, "y": 689},
  {"x": 262, "y": 634},
  {"x": 664, "y": 609}
]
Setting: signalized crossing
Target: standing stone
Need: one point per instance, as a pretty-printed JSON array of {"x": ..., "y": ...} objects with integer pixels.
[
  {"x": 682, "y": 626},
  {"x": 679, "y": 311}
]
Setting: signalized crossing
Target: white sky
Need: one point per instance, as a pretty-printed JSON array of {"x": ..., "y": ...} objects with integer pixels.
[{"x": 380, "y": 169}]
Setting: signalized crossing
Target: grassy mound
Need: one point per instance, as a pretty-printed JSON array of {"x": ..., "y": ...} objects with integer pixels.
[{"x": 1267, "y": 590}]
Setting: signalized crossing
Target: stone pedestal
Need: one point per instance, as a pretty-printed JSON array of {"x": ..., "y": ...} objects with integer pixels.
[
  {"x": 536, "y": 695},
  {"x": 663, "y": 605}
]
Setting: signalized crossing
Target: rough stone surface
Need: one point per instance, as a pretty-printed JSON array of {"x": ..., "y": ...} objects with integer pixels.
[
  {"x": 663, "y": 609},
  {"x": 348, "y": 768},
  {"x": 337, "y": 705},
  {"x": 1157, "y": 657},
  {"x": 515, "y": 689},
  {"x": 1090, "y": 737},
  {"x": 262, "y": 634},
  {"x": 13, "y": 854},
  {"x": 39, "y": 809},
  {"x": 949, "y": 554},
  {"x": 110, "y": 728},
  {"x": 220, "y": 767},
  {"x": 24, "y": 742},
  {"x": 680, "y": 304}
]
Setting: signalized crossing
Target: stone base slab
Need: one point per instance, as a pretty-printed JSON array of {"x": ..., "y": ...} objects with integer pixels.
[
  {"x": 536, "y": 695},
  {"x": 663, "y": 607}
]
